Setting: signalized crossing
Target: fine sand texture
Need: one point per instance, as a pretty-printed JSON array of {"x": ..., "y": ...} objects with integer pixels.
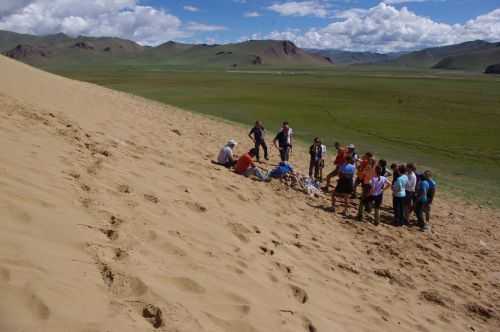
[{"x": 113, "y": 218}]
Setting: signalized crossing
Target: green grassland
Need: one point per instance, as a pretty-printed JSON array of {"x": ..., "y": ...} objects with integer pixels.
[{"x": 447, "y": 122}]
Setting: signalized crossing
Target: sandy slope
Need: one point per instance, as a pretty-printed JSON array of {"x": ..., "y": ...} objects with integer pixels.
[{"x": 111, "y": 221}]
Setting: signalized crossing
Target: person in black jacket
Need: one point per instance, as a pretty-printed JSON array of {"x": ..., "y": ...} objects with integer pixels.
[
  {"x": 257, "y": 136},
  {"x": 315, "y": 152},
  {"x": 283, "y": 141}
]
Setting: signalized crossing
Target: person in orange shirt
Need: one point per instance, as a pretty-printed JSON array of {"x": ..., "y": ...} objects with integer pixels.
[
  {"x": 339, "y": 161},
  {"x": 245, "y": 166},
  {"x": 365, "y": 174}
]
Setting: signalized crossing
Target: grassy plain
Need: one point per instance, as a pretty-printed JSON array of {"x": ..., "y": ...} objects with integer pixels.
[{"x": 447, "y": 122}]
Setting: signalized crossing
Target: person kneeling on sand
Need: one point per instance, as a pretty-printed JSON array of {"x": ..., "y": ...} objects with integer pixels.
[
  {"x": 345, "y": 184},
  {"x": 245, "y": 166},
  {"x": 226, "y": 156}
]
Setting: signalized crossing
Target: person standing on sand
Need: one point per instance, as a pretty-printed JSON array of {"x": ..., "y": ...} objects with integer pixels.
[
  {"x": 315, "y": 153},
  {"x": 344, "y": 184},
  {"x": 226, "y": 156},
  {"x": 283, "y": 141},
  {"x": 322, "y": 162},
  {"x": 378, "y": 184},
  {"x": 339, "y": 161},
  {"x": 245, "y": 166},
  {"x": 257, "y": 136},
  {"x": 399, "y": 195},
  {"x": 410, "y": 190},
  {"x": 365, "y": 177},
  {"x": 430, "y": 195},
  {"x": 422, "y": 199}
]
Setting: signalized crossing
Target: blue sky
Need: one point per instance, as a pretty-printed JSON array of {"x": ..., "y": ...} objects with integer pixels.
[{"x": 360, "y": 25}]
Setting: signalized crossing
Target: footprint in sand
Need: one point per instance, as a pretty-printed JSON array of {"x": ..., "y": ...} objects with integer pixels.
[
  {"x": 309, "y": 325},
  {"x": 124, "y": 189},
  {"x": 240, "y": 231},
  {"x": 115, "y": 221},
  {"x": 231, "y": 325},
  {"x": 153, "y": 315},
  {"x": 152, "y": 198},
  {"x": 110, "y": 234},
  {"x": 299, "y": 294},
  {"x": 186, "y": 285},
  {"x": 120, "y": 284},
  {"x": 4, "y": 275}
]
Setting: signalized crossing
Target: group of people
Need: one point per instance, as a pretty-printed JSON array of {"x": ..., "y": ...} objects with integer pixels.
[{"x": 412, "y": 192}]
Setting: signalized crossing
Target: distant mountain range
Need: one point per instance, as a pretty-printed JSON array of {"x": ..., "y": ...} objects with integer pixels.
[
  {"x": 60, "y": 49},
  {"x": 473, "y": 56},
  {"x": 351, "y": 58}
]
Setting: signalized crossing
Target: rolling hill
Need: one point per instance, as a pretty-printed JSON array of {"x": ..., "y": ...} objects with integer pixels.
[
  {"x": 474, "y": 56},
  {"x": 349, "y": 58},
  {"x": 61, "y": 49}
]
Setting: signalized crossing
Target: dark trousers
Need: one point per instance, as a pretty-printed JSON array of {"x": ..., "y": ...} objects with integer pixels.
[
  {"x": 315, "y": 169},
  {"x": 262, "y": 144},
  {"x": 420, "y": 208},
  {"x": 399, "y": 210},
  {"x": 284, "y": 153}
]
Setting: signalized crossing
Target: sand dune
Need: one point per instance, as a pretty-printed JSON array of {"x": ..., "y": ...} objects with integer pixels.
[{"x": 114, "y": 219}]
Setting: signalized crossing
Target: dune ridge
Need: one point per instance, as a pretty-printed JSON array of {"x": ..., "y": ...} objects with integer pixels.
[{"x": 114, "y": 219}]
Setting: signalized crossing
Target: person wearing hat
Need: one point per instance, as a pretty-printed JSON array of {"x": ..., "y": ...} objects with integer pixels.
[{"x": 226, "y": 156}]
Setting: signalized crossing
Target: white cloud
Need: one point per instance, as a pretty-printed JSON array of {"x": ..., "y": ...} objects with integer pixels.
[
  {"x": 395, "y": 2},
  {"x": 384, "y": 28},
  {"x": 300, "y": 8},
  {"x": 118, "y": 18},
  {"x": 252, "y": 14},
  {"x": 195, "y": 26},
  {"x": 191, "y": 8},
  {"x": 10, "y": 6}
]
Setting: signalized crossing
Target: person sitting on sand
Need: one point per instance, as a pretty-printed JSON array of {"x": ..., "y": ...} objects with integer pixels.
[
  {"x": 378, "y": 184},
  {"x": 245, "y": 166},
  {"x": 344, "y": 185},
  {"x": 257, "y": 136},
  {"x": 399, "y": 196},
  {"x": 226, "y": 156},
  {"x": 315, "y": 153},
  {"x": 283, "y": 141},
  {"x": 424, "y": 198},
  {"x": 281, "y": 170}
]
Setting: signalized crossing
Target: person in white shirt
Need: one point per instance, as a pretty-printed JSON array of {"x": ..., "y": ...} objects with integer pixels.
[
  {"x": 410, "y": 190},
  {"x": 226, "y": 156}
]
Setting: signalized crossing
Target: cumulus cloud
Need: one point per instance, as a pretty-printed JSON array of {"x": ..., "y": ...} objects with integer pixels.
[
  {"x": 195, "y": 26},
  {"x": 191, "y": 8},
  {"x": 384, "y": 28},
  {"x": 252, "y": 14},
  {"x": 10, "y": 6},
  {"x": 119, "y": 18},
  {"x": 300, "y": 8}
]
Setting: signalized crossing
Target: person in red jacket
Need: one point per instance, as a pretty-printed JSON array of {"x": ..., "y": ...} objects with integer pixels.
[{"x": 245, "y": 166}]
